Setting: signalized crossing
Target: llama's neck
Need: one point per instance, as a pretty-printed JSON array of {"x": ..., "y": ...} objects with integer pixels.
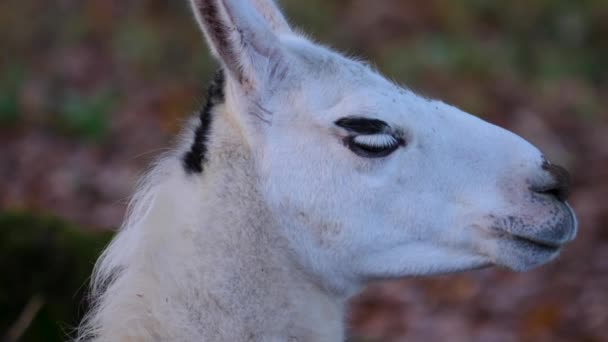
[{"x": 211, "y": 265}]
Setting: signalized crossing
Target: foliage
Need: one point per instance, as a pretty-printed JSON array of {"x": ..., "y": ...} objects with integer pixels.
[
  {"x": 44, "y": 258},
  {"x": 85, "y": 116},
  {"x": 10, "y": 82}
]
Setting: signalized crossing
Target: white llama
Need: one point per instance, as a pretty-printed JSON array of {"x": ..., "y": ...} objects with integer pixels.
[{"x": 305, "y": 177}]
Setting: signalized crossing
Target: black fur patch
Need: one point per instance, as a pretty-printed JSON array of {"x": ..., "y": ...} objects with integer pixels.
[{"x": 195, "y": 158}]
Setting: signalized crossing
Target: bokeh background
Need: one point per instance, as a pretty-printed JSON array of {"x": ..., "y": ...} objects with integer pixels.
[{"x": 91, "y": 91}]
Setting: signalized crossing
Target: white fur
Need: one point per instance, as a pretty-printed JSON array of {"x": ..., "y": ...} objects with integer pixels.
[{"x": 285, "y": 222}]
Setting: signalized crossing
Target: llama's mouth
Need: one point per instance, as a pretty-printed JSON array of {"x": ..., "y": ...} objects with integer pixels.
[
  {"x": 535, "y": 243},
  {"x": 522, "y": 253},
  {"x": 521, "y": 245},
  {"x": 551, "y": 234}
]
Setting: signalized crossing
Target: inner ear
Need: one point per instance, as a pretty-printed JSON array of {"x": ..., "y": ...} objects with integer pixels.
[{"x": 243, "y": 40}]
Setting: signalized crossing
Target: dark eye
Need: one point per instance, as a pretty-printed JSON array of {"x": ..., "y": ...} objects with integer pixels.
[
  {"x": 373, "y": 145},
  {"x": 371, "y": 138}
]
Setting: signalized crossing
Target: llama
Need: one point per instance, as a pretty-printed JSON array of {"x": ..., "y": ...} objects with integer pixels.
[{"x": 305, "y": 177}]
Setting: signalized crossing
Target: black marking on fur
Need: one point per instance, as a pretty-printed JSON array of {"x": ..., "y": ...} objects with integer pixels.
[
  {"x": 362, "y": 125},
  {"x": 195, "y": 158}
]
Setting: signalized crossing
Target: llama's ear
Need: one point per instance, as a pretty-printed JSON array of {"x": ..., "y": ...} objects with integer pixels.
[
  {"x": 242, "y": 34},
  {"x": 269, "y": 10}
]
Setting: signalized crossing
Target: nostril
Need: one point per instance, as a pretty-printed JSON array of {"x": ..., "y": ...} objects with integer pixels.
[
  {"x": 560, "y": 184},
  {"x": 560, "y": 193}
]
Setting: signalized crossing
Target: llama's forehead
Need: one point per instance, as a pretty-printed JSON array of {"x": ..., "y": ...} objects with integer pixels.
[
  {"x": 339, "y": 86},
  {"x": 316, "y": 62}
]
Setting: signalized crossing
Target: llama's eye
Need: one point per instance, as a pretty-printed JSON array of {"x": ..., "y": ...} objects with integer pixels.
[{"x": 373, "y": 145}]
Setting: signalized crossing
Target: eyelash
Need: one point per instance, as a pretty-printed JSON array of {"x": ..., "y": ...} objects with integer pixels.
[
  {"x": 373, "y": 145},
  {"x": 376, "y": 140}
]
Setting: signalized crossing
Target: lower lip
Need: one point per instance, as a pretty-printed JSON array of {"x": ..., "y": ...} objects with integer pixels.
[{"x": 536, "y": 245}]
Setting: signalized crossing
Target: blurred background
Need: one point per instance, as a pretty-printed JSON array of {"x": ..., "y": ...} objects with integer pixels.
[{"x": 91, "y": 91}]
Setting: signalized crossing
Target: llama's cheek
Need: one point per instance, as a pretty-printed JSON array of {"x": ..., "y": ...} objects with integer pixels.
[
  {"x": 328, "y": 234},
  {"x": 325, "y": 234}
]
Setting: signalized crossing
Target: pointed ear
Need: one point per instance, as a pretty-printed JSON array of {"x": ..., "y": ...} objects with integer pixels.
[
  {"x": 269, "y": 10},
  {"x": 242, "y": 35}
]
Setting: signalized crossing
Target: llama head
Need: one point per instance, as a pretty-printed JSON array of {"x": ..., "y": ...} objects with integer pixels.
[{"x": 368, "y": 180}]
